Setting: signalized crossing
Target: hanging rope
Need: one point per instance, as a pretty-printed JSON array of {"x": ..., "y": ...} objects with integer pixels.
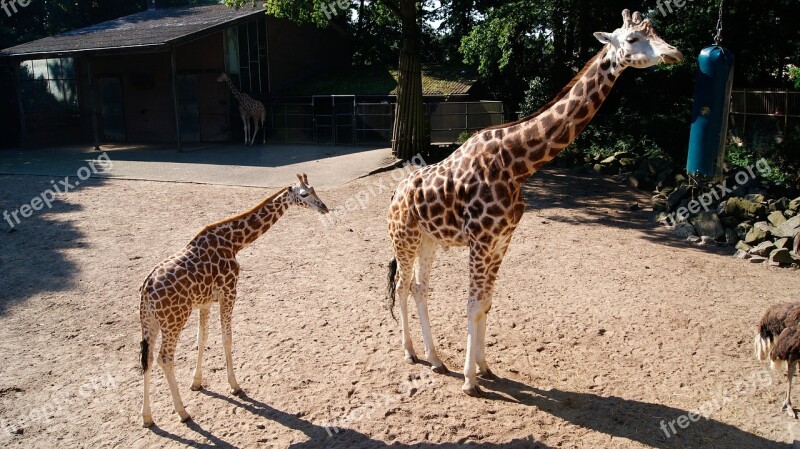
[{"x": 718, "y": 37}]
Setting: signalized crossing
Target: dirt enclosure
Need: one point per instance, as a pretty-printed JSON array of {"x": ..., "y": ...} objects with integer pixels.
[{"x": 605, "y": 332}]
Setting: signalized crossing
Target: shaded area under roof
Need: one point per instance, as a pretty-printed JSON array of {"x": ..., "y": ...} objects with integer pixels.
[
  {"x": 436, "y": 80},
  {"x": 150, "y": 30}
]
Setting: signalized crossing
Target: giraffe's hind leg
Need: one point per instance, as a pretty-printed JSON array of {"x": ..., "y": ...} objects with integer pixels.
[
  {"x": 405, "y": 250},
  {"x": 149, "y": 336},
  {"x": 202, "y": 339},
  {"x": 225, "y": 316},
  {"x": 426, "y": 254},
  {"x": 246, "y": 125},
  {"x": 166, "y": 357},
  {"x": 255, "y": 133}
]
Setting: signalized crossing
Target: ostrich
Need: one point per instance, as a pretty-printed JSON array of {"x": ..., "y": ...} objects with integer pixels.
[{"x": 778, "y": 338}]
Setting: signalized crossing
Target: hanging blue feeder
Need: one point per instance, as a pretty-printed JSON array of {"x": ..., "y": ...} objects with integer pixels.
[{"x": 710, "y": 113}]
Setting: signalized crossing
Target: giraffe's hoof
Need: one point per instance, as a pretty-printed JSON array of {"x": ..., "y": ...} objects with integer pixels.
[
  {"x": 473, "y": 391},
  {"x": 411, "y": 359},
  {"x": 186, "y": 417},
  {"x": 197, "y": 387},
  {"x": 147, "y": 422},
  {"x": 236, "y": 391},
  {"x": 442, "y": 369},
  {"x": 488, "y": 375}
]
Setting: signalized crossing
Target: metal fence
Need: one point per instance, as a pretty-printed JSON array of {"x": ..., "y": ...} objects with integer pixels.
[
  {"x": 342, "y": 120},
  {"x": 760, "y": 117}
]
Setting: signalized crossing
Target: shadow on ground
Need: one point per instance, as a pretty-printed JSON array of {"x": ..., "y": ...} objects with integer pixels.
[
  {"x": 605, "y": 203},
  {"x": 33, "y": 259},
  {"x": 613, "y": 416},
  {"x": 318, "y": 437}
]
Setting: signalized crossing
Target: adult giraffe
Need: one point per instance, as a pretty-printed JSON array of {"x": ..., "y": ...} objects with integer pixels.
[{"x": 473, "y": 198}]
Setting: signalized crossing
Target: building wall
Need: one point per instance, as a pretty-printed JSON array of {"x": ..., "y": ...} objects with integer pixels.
[{"x": 297, "y": 52}]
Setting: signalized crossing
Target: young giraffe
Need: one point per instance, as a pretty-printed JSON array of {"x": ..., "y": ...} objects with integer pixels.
[
  {"x": 248, "y": 109},
  {"x": 473, "y": 198},
  {"x": 204, "y": 272}
]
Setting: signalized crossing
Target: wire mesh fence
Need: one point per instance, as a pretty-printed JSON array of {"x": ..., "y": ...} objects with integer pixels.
[
  {"x": 343, "y": 120},
  {"x": 761, "y": 117}
]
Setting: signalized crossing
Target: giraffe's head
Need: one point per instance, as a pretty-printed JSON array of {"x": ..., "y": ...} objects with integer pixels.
[
  {"x": 304, "y": 195},
  {"x": 637, "y": 44},
  {"x": 222, "y": 78}
]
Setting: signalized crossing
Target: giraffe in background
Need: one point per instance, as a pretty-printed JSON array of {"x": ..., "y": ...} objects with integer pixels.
[
  {"x": 249, "y": 109},
  {"x": 474, "y": 197}
]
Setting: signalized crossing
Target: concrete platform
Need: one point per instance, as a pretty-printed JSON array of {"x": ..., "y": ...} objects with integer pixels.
[{"x": 258, "y": 166}]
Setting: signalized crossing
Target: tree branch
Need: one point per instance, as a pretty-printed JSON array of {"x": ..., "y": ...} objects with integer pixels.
[{"x": 391, "y": 5}]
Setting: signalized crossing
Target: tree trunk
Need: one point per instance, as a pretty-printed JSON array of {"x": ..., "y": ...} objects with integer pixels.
[{"x": 409, "y": 136}]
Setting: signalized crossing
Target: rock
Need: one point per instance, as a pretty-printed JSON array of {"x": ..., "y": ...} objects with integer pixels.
[
  {"x": 634, "y": 181},
  {"x": 706, "y": 240},
  {"x": 755, "y": 236},
  {"x": 609, "y": 160},
  {"x": 679, "y": 179},
  {"x": 764, "y": 226},
  {"x": 683, "y": 230},
  {"x": 742, "y": 246},
  {"x": 659, "y": 203},
  {"x": 676, "y": 196},
  {"x": 763, "y": 249},
  {"x": 744, "y": 209},
  {"x": 784, "y": 243},
  {"x": 742, "y": 255},
  {"x": 597, "y": 168},
  {"x": 780, "y": 257},
  {"x": 780, "y": 204},
  {"x": 627, "y": 162},
  {"x": 707, "y": 224},
  {"x": 731, "y": 237},
  {"x": 656, "y": 165},
  {"x": 776, "y": 218},
  {"x": 693, "y": 239},
  {"x": 757, "y": 259},
  {"x": 794, "y": 205},
  {"x": 790, "y": 228},
  {"x": 743, "y": 228},
  {"x": 789, "y": 213},
  {"x": 624, "y": 155},
  {"x": 796, "y": 246},
  {"x": 755, "y": 197}
]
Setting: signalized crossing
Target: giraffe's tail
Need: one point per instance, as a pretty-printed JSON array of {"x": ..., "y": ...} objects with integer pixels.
[
  {"x": 392, "y": 286},
  {"x": 145, "y": 350}
]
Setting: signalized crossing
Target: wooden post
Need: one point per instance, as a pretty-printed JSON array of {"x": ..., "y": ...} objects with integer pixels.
[
  {"x": 95, "y": 132},
  {"x": 175, "y": 101},
  {"x": 23, "y": 138}
]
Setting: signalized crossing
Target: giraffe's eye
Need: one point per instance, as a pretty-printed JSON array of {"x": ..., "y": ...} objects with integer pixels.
[
  {"x": 303, "y": 194},
  {"x": 632, "y": 40}
]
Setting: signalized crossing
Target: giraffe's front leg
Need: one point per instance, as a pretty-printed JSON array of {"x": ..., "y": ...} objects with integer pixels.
[
  {"x": 473, "y": 316},
  {"x": 225, "y": 315},
  {"x": 202, "y": 338}
]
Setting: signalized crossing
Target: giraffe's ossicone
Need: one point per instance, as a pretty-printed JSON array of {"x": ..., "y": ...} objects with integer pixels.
[
  {"x": 205, "y": 271},
  {"x": 474, "y": 198}
]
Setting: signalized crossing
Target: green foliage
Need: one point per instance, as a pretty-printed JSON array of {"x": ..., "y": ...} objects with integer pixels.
[
  {"x": 794, "y": 75},
  {"x": 463, "y": 137}
]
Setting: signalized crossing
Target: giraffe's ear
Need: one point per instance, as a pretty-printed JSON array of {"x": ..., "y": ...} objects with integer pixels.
[{"x": 605, "y": 38}]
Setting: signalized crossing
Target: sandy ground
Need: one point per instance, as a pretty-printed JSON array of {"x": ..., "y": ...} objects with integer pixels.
[{"x": 602, "y": 328}]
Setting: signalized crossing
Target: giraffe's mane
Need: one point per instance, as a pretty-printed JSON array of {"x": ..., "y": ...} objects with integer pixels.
[
  {"x": 561, "y": 94},
  {"x": 243, "y": 214}
]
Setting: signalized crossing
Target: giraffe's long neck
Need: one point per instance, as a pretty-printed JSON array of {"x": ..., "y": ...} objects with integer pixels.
[
  {"x": 529, "y": 144},
  {"x": 240, "y": 231},
  {"x": 234, "y": 91}
]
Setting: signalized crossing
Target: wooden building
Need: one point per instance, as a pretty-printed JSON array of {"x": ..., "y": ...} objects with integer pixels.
[{"x": 151, "y": 77}]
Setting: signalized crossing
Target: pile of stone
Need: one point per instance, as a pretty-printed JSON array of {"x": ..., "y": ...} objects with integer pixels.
[{"x": 756, "y": 216}]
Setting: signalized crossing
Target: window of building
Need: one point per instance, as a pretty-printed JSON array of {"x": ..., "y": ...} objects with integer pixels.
[{"x": 48, "y": 84}]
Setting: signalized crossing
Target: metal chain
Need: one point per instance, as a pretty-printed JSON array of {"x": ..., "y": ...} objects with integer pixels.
[{"x": 718, "y": 37}]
